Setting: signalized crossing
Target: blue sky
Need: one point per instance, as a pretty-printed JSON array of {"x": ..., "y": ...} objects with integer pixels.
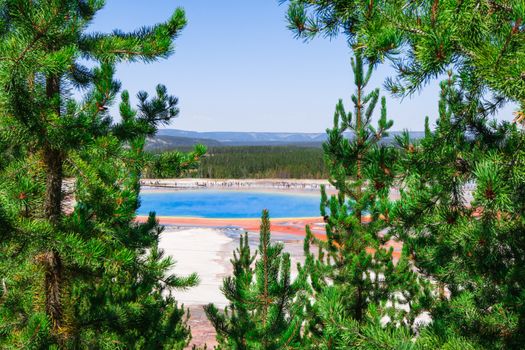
[{"x": 236, "y": 67}]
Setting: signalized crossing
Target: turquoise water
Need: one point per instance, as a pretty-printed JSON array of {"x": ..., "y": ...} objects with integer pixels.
[{"x": 229, "y": 204}]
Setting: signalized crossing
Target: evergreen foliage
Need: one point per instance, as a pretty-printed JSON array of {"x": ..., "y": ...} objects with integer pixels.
[
  {"x": 265, "y": 310},
  {"x": 77, "y": 271},
  {"x": 461, "y": 187},
  {"x": 461, "y": 216},
  {"x": 173, "y": 164},
  {"x": 262, "y": 162},
  {"x": 483, "y": 40},
  {"x": 244, "y": 162},
  {"x": 79, "y": 274},
  {"x": 360, "y": 298}
]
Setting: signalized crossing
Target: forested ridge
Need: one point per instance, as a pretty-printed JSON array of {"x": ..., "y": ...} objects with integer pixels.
[
  {"x": 253, "y": 162},
  {"x": 259, "y": 162}
]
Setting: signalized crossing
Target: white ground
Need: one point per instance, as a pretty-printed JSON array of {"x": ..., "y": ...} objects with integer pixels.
[
  {"x": 200, "y": 250},
  {"x": 207, "y": 251}
]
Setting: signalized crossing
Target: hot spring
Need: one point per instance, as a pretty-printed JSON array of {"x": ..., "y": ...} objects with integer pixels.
[{"x": 222, "y": 204}]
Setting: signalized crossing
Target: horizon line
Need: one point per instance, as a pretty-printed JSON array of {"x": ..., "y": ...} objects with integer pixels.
[{"x": 272, "y": 132}]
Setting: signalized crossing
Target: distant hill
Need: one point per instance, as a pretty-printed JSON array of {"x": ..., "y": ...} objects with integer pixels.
[
  {"x": 167, "y": 139},
  {"x": 227, "y": 138}
]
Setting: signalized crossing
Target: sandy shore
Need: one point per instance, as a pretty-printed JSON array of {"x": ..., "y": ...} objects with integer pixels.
[
  {"x": 199, "y": 250},
  {"x": 203, "y": 251}
]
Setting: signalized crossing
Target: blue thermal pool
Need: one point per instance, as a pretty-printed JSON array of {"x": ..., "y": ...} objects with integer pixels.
[{"x": 229, "y": 204}]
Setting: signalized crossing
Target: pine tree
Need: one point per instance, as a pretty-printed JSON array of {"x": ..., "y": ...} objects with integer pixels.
[
  {"x": 83, "y": 274},
  {"x": 265, "y": 310},
  {"x": 172, "y": 164},
  {"x": 353, "y": 276},
  {"x": 483, "y": 41},
  {"x": 461, "y": 214}
]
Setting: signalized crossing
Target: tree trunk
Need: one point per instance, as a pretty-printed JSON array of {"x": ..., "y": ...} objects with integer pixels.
[
  {"x": 53, "y": 200},
  {"x": 53, "y": 278},
  {"x": 53, "y": 160},
  {"x": 359, "y": 305},
  {"x": 359, "y": 122}
]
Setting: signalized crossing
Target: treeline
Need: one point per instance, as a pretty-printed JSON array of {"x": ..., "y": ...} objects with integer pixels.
[
  {"x": 239, "y": 162},
  {"x": 258, "y": 162}
]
